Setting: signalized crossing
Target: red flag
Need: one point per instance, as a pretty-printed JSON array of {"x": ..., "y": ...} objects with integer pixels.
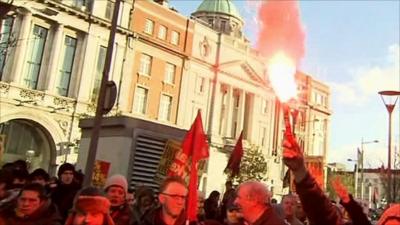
[
  {"x": 195, "y": 146},
  {"x": 236, "y": 157}
]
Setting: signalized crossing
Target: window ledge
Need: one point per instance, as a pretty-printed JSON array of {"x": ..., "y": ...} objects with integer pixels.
[
  {"x": 168, "y": 83},
  {"x": 143, "y": 75}
]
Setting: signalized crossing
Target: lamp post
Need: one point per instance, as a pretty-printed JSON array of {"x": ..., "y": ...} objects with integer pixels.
[
  {"x": 389, "y": 98},
  {"x": 362, "y": 163},
  {"x": 355, "y": 176}
]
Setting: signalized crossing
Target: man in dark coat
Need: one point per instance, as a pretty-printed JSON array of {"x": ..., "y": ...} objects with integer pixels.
[
  {"x": 63, "y": 195},
  {"x": 32, "y": 208},
  {"x": 172, "y": 198},
  {"x": 253, "y": 200}
]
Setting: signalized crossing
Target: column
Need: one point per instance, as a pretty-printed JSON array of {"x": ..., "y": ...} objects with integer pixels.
[
  {"x": 229, "y": 113},
  {"x": 21, "y": 49},
  {"x": 52, "y": 73},
  {"x": 242, "y": 101}
]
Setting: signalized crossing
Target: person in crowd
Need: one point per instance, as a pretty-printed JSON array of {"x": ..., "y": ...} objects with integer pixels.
[
  {"x": 91, "y": 207},
  {"x": 130, "y": 197},
  {"x": 233, "y": 215},
  {"x": 32, "y": 208},
  {"x": 319, "y": 210},
  {"x": 391, "y": 216},
  {"x": 63, "y": 194},
  {"x": 172, "y": 198},
  {"x": 201, "y": 215},
  {"x": 39, "y": 176},
  {"x": 116, "y": 189},
  {"x": 145, "y": 201},
  {"x": 14, "y": 180},
  {"x": 20, "y": 178},
  {"x": 289, "y": 209},
  {"x": 300, "y": 214},
  {"x": 354, "y": 210},
  {"x": 253, "y": 199},
  {"x": 229, "y": 195},
  {"x": 211, "y": 206}
]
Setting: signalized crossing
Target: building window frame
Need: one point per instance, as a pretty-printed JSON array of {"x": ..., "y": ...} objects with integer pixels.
[
  {"x": 66, "y": 65},
  {"x": 175, "y": 37},
  {"x": 169, "y": 75},
  {"x": 36, "y": 50},
  {"x": 165, "y": 107},
  {"x": 140, "y": 100},
  {"x": 162, "y": 32},
  {"x": 100, "y": 61},
  {"x": 149, "y": 26},
  {"x": 6, "y": 37},
  {"x": 145, "y": 64}
]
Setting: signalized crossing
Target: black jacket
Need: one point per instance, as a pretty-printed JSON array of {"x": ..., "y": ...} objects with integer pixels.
[
  {"x": 355, "y": 212},
  {"x": 316, "y": 204}
]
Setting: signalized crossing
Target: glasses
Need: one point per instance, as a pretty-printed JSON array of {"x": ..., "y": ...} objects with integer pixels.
[{"x": 175, "y": 197}]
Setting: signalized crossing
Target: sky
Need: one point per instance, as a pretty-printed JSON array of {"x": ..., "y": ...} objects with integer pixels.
[{"x": 353, "y": 46}]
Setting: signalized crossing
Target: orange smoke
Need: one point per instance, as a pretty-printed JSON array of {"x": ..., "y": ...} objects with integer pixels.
[{"x": 281, "y": 30}]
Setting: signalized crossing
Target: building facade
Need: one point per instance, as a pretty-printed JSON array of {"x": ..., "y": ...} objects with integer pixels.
[
  {"x": 166, "y": 67},
  {"x": 52, "y": 58}
]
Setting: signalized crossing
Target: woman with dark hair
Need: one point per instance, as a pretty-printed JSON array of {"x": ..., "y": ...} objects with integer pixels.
[
  {"x": 91, "y": 207},
  {"x": 211, "y": 206}
]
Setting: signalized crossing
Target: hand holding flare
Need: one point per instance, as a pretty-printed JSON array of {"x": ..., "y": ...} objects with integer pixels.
[
  {"x": 292, "y": 155},
  {"x": 340, "y": 190}
]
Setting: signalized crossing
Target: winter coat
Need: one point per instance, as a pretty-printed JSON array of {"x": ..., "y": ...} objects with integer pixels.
[
  {"x": 211, "y": 209},
  {"x": 356, "y": 213},
  {"x": 269, "y": 217},
  {"x": 47, "y": 214},
  {"x": 122, "y": 215},
  {"x": 316, "y": 205},
  {"x": 63, "y": 196},
  {"x": 154, "y": 218}
]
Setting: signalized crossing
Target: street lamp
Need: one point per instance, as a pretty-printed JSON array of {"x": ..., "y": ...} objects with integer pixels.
[
  {"x": 361, "y": 159},
  {"x": 355, "y": 176},
  {"x": 389, "y": 98}
]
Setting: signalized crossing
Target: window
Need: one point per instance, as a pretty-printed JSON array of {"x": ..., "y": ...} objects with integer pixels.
[
  {"x": 200, "y": 84},
  {"x": 264, "y": 108},
  {"x": 175, "y": 37},
  {"x": 34, "y": 56},
  {"x": 109, "y": 10},
  {"x": 264, "y": 136},
  {"x": 101, "y": 58},
  {"x": 5, "y": 41},
  {"x": 145, "y": 65},
  {"x": 169, "y": 73},
  {"x": 164, "y": 113},
  {"x": 140, "y": 100},
  {"x": 162, "y": 32},
  {"x": 149, "y": 26},
  {"x": 66, "y": 65}
]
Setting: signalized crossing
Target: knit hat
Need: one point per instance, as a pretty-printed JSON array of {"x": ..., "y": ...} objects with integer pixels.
[
  {"x": 64, "y": 167},
  {"x": 117, "y": 180},
  {"x": 91, "y": 199}
]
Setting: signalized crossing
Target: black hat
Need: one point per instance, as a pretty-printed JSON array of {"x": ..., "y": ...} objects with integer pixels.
[
  {"x": 64, "y": 167},
  {"x": 39, "y": 173}
]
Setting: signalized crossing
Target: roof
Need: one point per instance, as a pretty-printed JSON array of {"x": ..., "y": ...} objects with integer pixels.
[{"x": 219, "y": 6}]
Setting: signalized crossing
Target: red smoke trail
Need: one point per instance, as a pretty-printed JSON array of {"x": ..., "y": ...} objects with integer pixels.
[{"x": 281, "y": 30}]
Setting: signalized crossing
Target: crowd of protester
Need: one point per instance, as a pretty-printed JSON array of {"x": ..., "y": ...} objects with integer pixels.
[{"x": 37, "y": 199}]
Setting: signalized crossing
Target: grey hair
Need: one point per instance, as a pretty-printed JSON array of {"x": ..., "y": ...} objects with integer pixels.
[{"x": 257, "y": 191}]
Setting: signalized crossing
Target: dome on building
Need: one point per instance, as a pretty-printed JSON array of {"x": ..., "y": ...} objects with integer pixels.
[
  {"x": 219, "y": 6},
  {"x": 222, "y": 16}
]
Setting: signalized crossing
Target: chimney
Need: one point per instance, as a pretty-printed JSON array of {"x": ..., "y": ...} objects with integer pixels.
[{"x": 162, "y": 2}]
